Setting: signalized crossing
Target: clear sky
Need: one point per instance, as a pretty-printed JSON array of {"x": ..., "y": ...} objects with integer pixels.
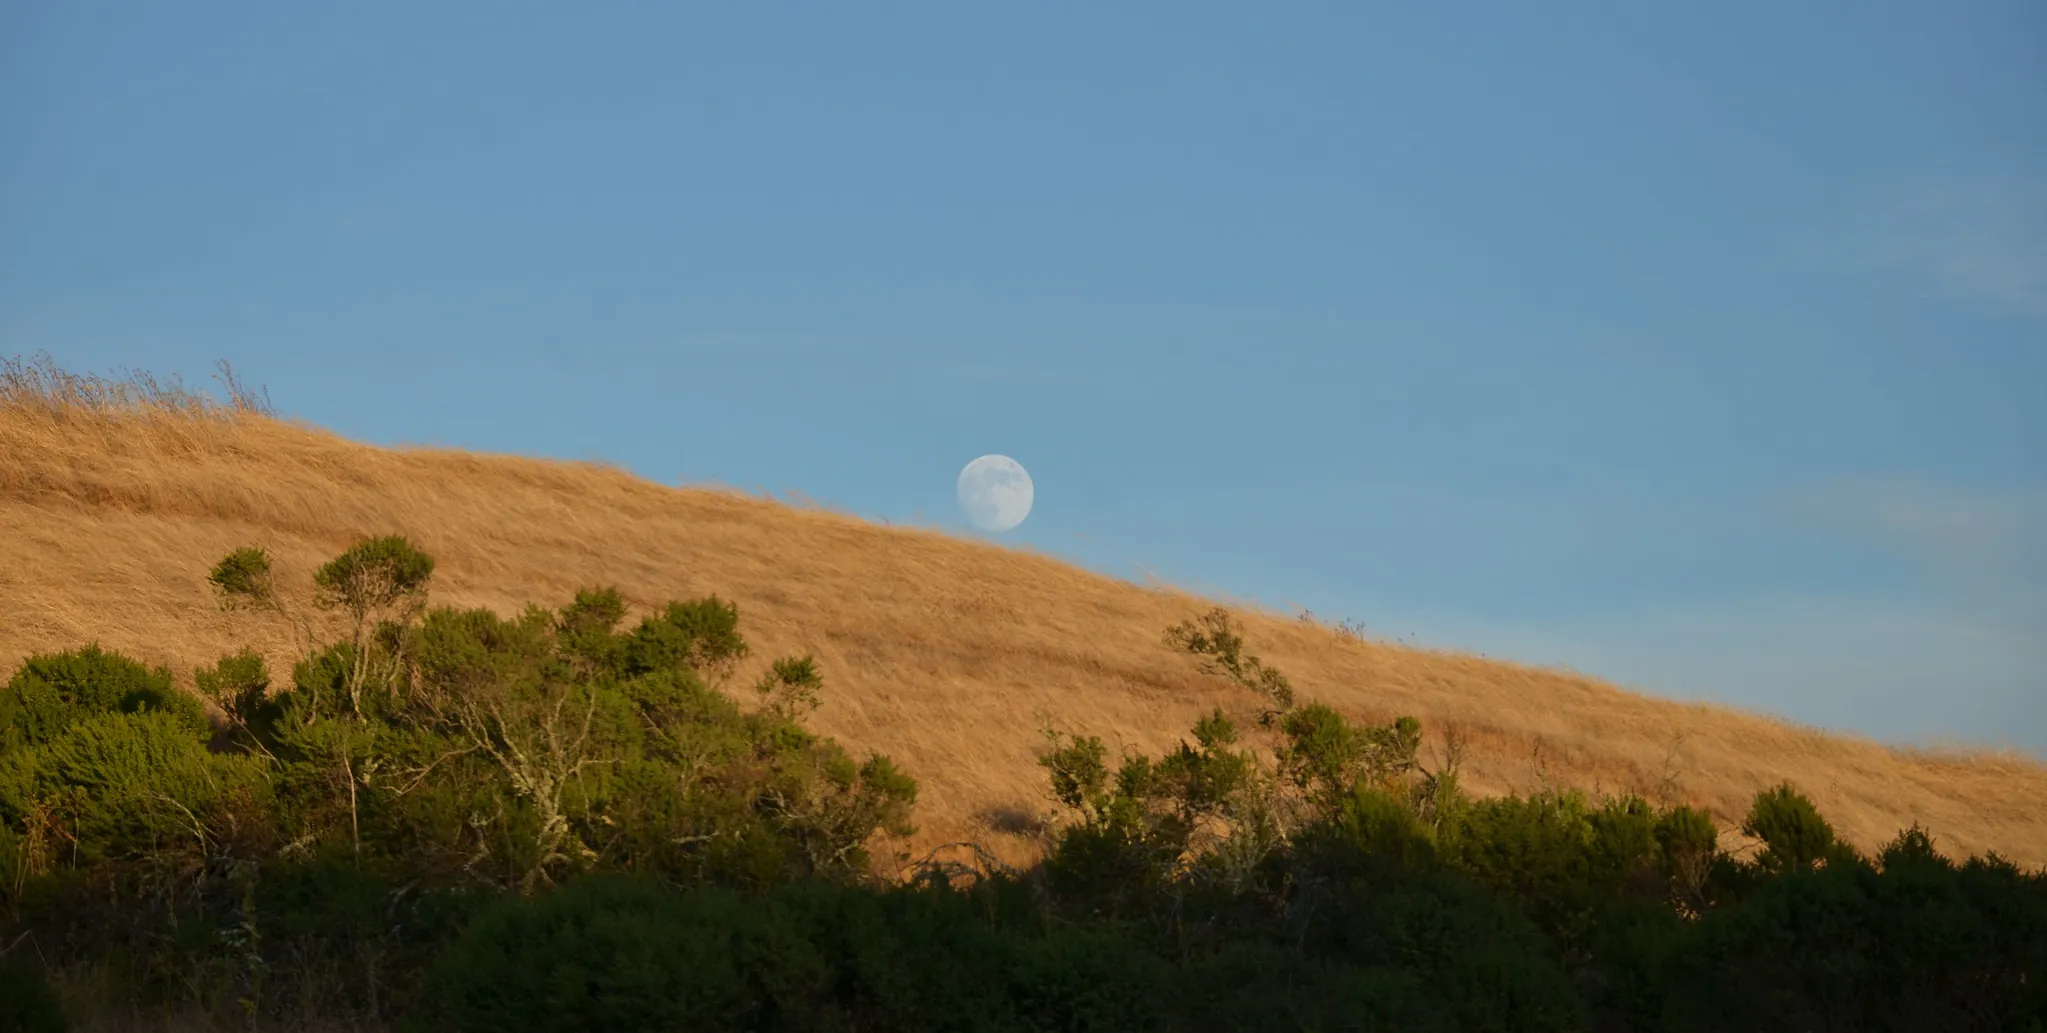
[{"x": 1698, "y": 346}]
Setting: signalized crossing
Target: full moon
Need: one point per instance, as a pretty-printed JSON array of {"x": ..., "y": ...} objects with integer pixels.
[{"x": 995, "y": 493}]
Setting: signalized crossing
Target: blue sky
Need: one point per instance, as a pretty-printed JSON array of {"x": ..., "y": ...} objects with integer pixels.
[{"x": 1701, "y": 347}]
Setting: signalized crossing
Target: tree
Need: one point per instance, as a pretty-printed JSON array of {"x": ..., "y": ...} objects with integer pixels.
[
  {"x": 1795, "y": 837},
  {"x": 497, "y": 686}
]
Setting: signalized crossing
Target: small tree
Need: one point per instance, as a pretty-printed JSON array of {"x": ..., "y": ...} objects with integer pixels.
[
  {"x": 1216, "y": 638},
  {"x": 1912, "y": 850},
  {"x": 495, "y": 685},
  {"x": 1689, "y": 844},
  {"x": 1795, "y": 837},
  {"x": 378, "y": 585},
  {"x": 378, "y": 582}
]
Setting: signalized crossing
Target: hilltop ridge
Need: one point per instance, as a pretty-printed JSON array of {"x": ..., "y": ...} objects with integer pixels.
[{"x": 950, "y": 655}]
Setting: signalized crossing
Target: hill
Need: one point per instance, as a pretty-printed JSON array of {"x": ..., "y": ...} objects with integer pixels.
[{"x": 950, "y": 655}]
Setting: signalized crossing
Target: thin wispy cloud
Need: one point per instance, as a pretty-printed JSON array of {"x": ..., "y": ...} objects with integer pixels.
[{"x": 1985, "y": 243}]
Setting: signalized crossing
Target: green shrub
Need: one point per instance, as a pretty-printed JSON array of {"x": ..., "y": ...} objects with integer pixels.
[
  {"x": 1476, "y": 953},
  {"x": 1687, "y": 842},
  {"x": 130, "y": 782},
  {"x": 373, "y": 575},
  {"x": 1794, "y": 835},
  {"x": 701, "y": 636},
  {"x": 1916, "y": 947},
  {"x": 603, "y": 952},
  {"x": 239, "y": 684},
  {"x": 244, "y": 577},
  {"x": 51, "y": 691},
  {"x": 1911, "y": 849},
  {"x": 18, "y": 788},
  {"x": 1379, "y": 828},
  {"x": 900, "y": 959},
  {"x": 613, "y": 952},
  {"x": 1265, "y": 988},
  {"x": 1215, "y": 637},
  {"x": 1088, "y": 982},
  {"x": 1538, "y": 848},
  {"x": 586, "y": 629},
  {"x": 1623, "y": 847}
]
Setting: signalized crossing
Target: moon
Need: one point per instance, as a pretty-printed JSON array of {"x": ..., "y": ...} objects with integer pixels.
[{"x": 995, "y": 492}]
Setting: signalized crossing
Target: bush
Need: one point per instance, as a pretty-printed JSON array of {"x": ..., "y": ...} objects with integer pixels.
[
  {"x": 373, "y": 575},
  {"x": 239, "y": 684},
  {"x": 1794, "y": 836},
  {"x": 613, "y": 952},
  {"x": 1915, "y": 947},
  {"x": 1537, "y": 848},
  {"x": 126, "y": 783},
  {"x": 904, "y": 958},
  {"x": 700, "y": 636},
  {"x": 603, "y": 952},
  {"x": 52, "y": 691},
  {"x": 1088, "y": 982},
  {"x": 244, "y": 577},
  {"x": 1373, "y": 828},
  {"x": 1264, "y": 988},
  {"x": 1476, "y": 953}
]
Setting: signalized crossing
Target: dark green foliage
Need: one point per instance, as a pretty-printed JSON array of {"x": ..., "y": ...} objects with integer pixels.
[
  {"x": 1088, "y": 982},
  {"x": 426, "y": 755},
  {"x": 1917, "y": 946},
  {"x": 1267, "y": 988},
  {"x": 1688, "y": 845},
  {"x": 1380, "y": 829},
  {"x": 605, "y": 953},
  {"x": 701, "y": 636},
  {"x": 1794, "y": 835},
  {"x": 52, "y": 691},
  {"x": 586, "y": 630},
  {"x": 610, "y": 952},
  {"x": 1538, "y": 848},
  {"x": 27, "y": 1003},
  {"x": 1138, "y": 824},
  {"x": 1203, "y": 779},
  {"x": 1491, "y": 968},
  {"x": 904, "y": 959},
  {"x": 1326, "y": 755},
  {"x": 1079, "y": 770},
  {"x": 127, "y": 783},
  {"x": 239, "y": 684}
]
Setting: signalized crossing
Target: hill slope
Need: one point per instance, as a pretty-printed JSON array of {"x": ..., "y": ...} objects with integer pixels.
[{"x": 947, "y": 654}]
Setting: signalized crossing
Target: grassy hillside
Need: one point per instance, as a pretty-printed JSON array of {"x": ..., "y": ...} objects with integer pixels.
[{"x": 952, "y": 656}]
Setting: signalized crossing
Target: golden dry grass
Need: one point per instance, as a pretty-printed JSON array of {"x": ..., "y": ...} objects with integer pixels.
[{"x": 948, "y": 654}]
